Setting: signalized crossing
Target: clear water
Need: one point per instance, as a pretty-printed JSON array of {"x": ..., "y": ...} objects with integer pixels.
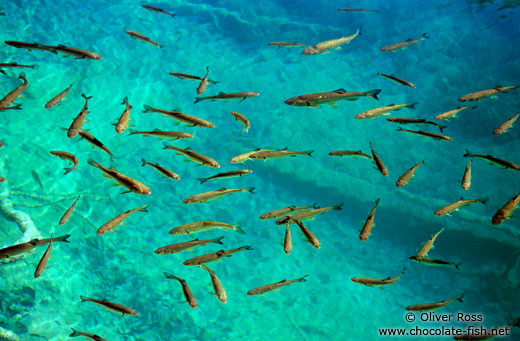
[{"x": 472, "y": 46}]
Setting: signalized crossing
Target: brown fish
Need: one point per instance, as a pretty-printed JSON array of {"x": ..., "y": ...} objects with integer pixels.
[
  {"x": 207, "y": 196},
  {"x": 432, "y": 306},
  {"x": 426, "y": 134},
  {"x": 28, "y": 46},
  {"x": 314, "y": 100},
  {"x": 76, "y": 125},
  {"x": 423, "y": 251},
  {"x": 307, "y": 214},
  {"x": 162, "y": 134},
  {"x": 451, "y": 113},
  {"x": 373, "y": 113},
  {"x": 369, "y": 223},
  {"x": 274, "y": 286},
  {"x": 165, "y": 171},
  {"x": 308, "y": 234},
  {"x": 394, "y": 47},
  {"x": 350, "y": 153},
  {"x": 94, "y": 337},
  {"x": 287, "y": 242},
  {"x": 242, "y": 119},
  {"x": 466, "y": 178},
  {"x": 372, "y": 282},
  {"x": 455, "y": 205},
  {"x": 477, "y": 96},
  {"x": 287, "y": 44},
  {"x": 200, "y": 226},
  {"x": 404, "y": 120},
  {"x": 179, "y": 116},
  {"x": 494, "y": 160},
  {"x": 227, "y": 97},
  {"x": 58, "y": 98},
  {"x": 276, "y": 154},
  {"x": 434, "y": 262},
  {"x": 188, "y": 294},
  {"x": 211, "y": 257},
  {"x": 131, "y": 184},
  {"x": 66, "y": 156},
  {"x": 178, "y": 247},
  {"x": 380, "y": 165},
  {"x": 506, "y": 125},
  {"x": 325, "y": 46},
  {"x": 141, "y": 37},
  {"x": 68, "y": 212},
  {"x": 187, "y": 76},
  {"x": 119, "y": 220},
  {"x": 158, "y": 10},
  {"x": 504, "y": 212},
  {"x": 17, "y": 249},
  {"x": 357, "y": 10},
  {"x": 203, "y": 83},
  {"x": 398, "y": 80},
  {"x": 246, "y": 156},
  {"x": 282, "y": 212},
  {"x": 94, "y": 141},
  {"x": 217, "y": 285},
  {"x": 122, "y": 123},
  {"x": 116, "y": 307},
  {"x": 230, "y": 174},
  {"x": 196, "y": 157},
  {"x": 5, "y": 103},
  {"x": 43, "y": 261},
  {"x": 74, "y": 52},
  {"x": 403, "y": 179}
]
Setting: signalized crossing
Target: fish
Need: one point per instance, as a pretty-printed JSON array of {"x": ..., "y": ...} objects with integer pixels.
[
  {"x": 434, "y": 262},
  {"x": 451, "y": 113},
  {"x": 200, "y": 226},
  {"x": 504, "y": 212},
  {"x": 203, "y": 83},
  {"x": 287, "y": 44},
  {"x": 68, "y": 212},
  {"x": 455, "y": 205},
  {"x": 489, "y": 334},
  {"x": 432, "y": 306},
  {"x": 477, "y": 96},
  {"x": 230, "y": 174},
  {"x": 287, "y": 242},
  {"x": 274, "y": 286},
  {"x": 207, "y": 196},
  {"x": 506, "y": 125},
  {"x": 17, "y": 249},
  {"x": 94, "y": 337},
  {"x": 116, "y": 307},
  {"x": 43, "y": 261},
  {"x": 398, "y": 80},
  {"x": 66, "y": 156},
  {"x": 141, "y": 37},
  {"x": 242, "y": 119},
  {"x": 95, "y": 142},
  {"x": 28, "y": 46},
  {"x": 119, "y": 220},
  {"x": 314, "y": 100},
  {"x": 373, "y": 113},
  {"x": 179, "y": 116},
  {"x": 403, "y": 120},
  {"x": 357, "y": 10},
  {"x": 423, "y": 251},
  {"x": 493, "y": 160},
  {"x": 372, "y": 282},
  {"x": 342, "y": 153},
  {"x": 426, "y": 134},
  {"x": 76, "y": 125},
  {"x": 166, "y": 172},
  {"x": 193, "y": 156},
  {"x": 211, "y": 257},
  {"x": 403, "y": 179},
  {"x": 275, "y": 154},
  {"x": 217, "y": 285},
  {"x": 131, "y": 184},
  {"x": 307, "y": 214},
  {"x": 188, "y": 294},
  {"x": 466, "y": 178},
  {"x": 230, "y": 96},
  {"x": 158, "y": 10},
  {"x": 122, "y": 123},
  {"x": 308, "y": 234},
  {"x": 5, "y": 103},
  {"x": 58, "y": 98},
  {"x": 15, "y": 65},
  {"x": 189, "y": 245},
  {"x": 36, "y": 178},
  {"x": 394, "y": 47},
  {"x": 283, "y": 211},
  {"x": 190, "y": 77},
  {"x": 162, "y": 134},
  {"x": 379, "y": 163},
  {"x": 246, "y": 156},
  {"x": 75, "y": 52},
  {"x": 369, "y": 223},
  {"x": 325, "y": 46}
]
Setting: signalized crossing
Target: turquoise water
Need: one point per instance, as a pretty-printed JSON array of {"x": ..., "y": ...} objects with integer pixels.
[{"x": 472, "y": 46}]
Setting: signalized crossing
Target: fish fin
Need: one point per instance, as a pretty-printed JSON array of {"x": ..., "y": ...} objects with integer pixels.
[
  {"x": 83, "y": 299},
  {"x": 425, "y": 36},
  {"x": 409, "y": 39},
  {"x": 202, "y": 180},
  {"x": 373, "y": 93},
  {"x": 198, "y": 99},
  {"x": 125, "y": 192},
  {"x": 334, "y": 105},
  {"x": 74, "y": 333},
  {"x": 412, "y": 106}
]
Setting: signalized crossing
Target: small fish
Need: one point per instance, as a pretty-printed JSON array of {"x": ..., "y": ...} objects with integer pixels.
[
  {"x": 369, "y": 223},
  {"x": 94, "y": 141},
  {"x": 314, "y": 100},
  {"x": 141, "y": 37},
  {"x": 58, "y": 98},
  {"x": 200, "y": 226},
  {"x": 15, "y": 65},
  {"x": 226, "y": 97},
  {"x": 116, "y": 307},
  {"x": 238, "y": 172},
  {"x": 432, "y": 306},
  {"x": 275, "y": 154},
  {"x": 451, "y": 113},
  {"x": 119, "y": 220},
  {"x": 274, "y": 286},
  {"x": 217, "y": 286},
  {"x": 307, "y": 214},
  {"x": 379, "y": 163},
  {"x": 466, "y": 178},
  {"x": 287, "y": 44},
  {"x": 403, "y": 179},
  {"x": 178, "y": 247},
  {"x": 426, "y": 134},
  {"x": 179, "y": 116},
  {"x": 477, "y": 96},
  {"x": 373, "y": 113},
  {"x": 350, "y": 153},
  {"x": 207, "y": 196},
  {"x": 188, "y": 294},
  {"x": 242, "y": 119},
  {"x": 371, "y": 282},
  {"x": 17, "y": 249},
  {"x": 162, "y": 134},
  {"x": 506, "y": 125},
  {"x": 166, "y": 172},
  {"x": 455, "y": 205},
  {"x": 193, "y": 156},
  {"x": 122, "y": 123},
  {"x": 211, "y": 257},
  {"x": 158, "y": 10},
  {"x": 74, "y": 52},
  {"x": 403, "y": 120},
  {"x": 423, "y": 251},
  {"x": 434, "y": 262},
  {"x": 245, "y": 156},
  {"x": 36, "y": 178},
  {"x": 43, "y": 261},
  {"x": 308, "y": 234},
  {"x": 325, "y": 46},
  {"x": 398, "y": 80},
  {"x": 490, "y": 334},
  {"x": 203, "y": 83},
  {"x": 66, "y": 156},
  {"x": 76, "y": 125},
  {"x": 68, "y": 212},
  {"x": 5, "y": 103},
  {"x": 94, "y": 337},
  {"x": 493, "y": 160},
  {"x": 394, "y": 47},
  {"x": 504, "y": 212},
  {"x": 190, "y": 77},
  {"x": 282, "y": 212},
  {"x": 287, "y": 242},
  {"x": 357, "y": 10},
  {"x": 28, "y": 46},
  {"x": 131, "y": 184}
]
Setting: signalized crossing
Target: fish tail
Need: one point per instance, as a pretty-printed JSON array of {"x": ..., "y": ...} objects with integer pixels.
[
  {"x": 400, "y": 129},
  {"x": 412, "y": 106},
  {"x": 125, "y": 100},
  {"x": 198, "y": 99},
  {"x": 468, "y": 154},
  {"x": 147, "y": 108},
  {"x": 218, "y": 240},
  {"x": 377, "y": 201},
  {"x": 132, "y": 131},
  {"x": 144, "y": 162},
  {"x": 93, "y": 163},
  {"x": 309, "y": 152},
  {"x": 170, "y": 276},
  {"x": 484, "y": 200},
  {"x": 84, "y": 299},
  {"x": 516, "y": 322},
  {"x": 474, "y": 107},
  {"x": 202, "y": 180},
  {"x": 143, "y": 208},
  {"x": 457, "y": 266},
  {"x": 22, "y": 76},
  {"x": 426, "y": 36},
  {"x": 315, "y": 205},
  {"x": 459, "y": 298},
  {"x": 167, "y": 145},
  {"x": 16, "y": 106},
  {"x": 3, "y": 71},
  {"x": 373, "y": 93},
  {"x": 303, "y": 279},
  {"x": 74, "y": 332},
  {"x": 62, "y": 238},
  {"x": 250, "y": 189},
  {"x": 68, "y": 170},
  {"x": 247, "y": 247},
  {"x": 338, "y": 206},
  {"x": 86, "y": 97},
  {"x": 442, "y": 127},
  {"x": 359, "y": 31},
  {"x": 238, "y": 228}
]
